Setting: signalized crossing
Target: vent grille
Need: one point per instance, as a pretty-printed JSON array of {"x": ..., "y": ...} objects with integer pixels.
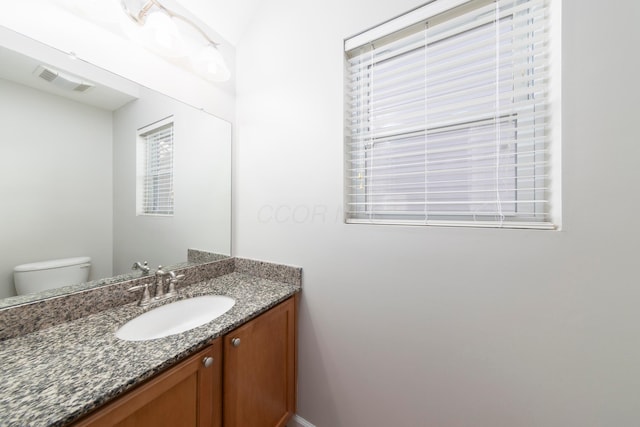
[
  {"x": 83, "y": 87},
  {"x": 62, "y": 80},
  {"x": 48, "y": 75}
]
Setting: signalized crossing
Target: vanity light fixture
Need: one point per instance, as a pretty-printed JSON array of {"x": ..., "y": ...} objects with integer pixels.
[{"x": 175, "y": 37}]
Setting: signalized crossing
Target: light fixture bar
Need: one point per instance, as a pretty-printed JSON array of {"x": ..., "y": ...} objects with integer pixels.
[
  {"x": 141, "y": 16},
  {"x": 157, "y": 31}
]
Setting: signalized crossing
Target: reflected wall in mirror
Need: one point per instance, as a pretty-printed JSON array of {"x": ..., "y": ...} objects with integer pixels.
[{"x": 69, "y": 169}]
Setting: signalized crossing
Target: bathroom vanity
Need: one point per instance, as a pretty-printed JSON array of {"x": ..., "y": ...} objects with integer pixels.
[
  {"x": 237, "y": 370},
  {"x": 257, "y": 362}
]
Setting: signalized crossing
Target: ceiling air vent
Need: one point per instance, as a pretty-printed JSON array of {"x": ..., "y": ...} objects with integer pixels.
[
  {"x": 47, "y": 74},
  {"x": 82, "y": 87},
  {"x": 62, "y": 80}
]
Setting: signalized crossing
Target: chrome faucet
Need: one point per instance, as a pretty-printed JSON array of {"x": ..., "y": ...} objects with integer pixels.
[
  {"x": 143, "y": 267},
  {"x": 160, "y": 273}
]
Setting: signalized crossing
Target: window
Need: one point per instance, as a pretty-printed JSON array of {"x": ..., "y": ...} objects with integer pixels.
[
  {"x": 448, "y": 117},
  {"x": 154, "y": 195}
]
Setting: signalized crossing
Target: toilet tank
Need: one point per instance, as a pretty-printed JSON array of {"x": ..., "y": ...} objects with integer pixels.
[{"x": 39, "y": 276}]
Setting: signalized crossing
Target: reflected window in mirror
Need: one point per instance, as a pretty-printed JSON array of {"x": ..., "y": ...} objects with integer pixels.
[{"x": 154, "y": 195}]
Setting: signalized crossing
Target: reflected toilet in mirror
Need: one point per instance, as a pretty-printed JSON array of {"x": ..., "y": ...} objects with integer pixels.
[{"x": 44, "y": 275}]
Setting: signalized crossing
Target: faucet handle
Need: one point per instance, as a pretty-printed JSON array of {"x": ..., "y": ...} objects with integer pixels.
[
  {"x": 173, "y": 279},
  {"x": 146, "y": 298}
]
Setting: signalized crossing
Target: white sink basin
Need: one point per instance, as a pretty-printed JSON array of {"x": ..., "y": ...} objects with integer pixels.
[{"x": 176, "y": 317}]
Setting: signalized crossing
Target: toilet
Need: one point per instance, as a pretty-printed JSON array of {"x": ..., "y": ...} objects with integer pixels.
[{"x": 40, "y": 276}]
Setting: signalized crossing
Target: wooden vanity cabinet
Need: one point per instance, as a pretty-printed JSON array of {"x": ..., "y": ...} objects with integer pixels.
[
  {"x": 253, "y": 385},
  {"x": 260, "y": 370},
  {"x": 186, "y": 395}
]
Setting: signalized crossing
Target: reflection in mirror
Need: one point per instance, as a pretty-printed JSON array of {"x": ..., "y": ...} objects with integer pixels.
[{"x": 70, "y": 133}]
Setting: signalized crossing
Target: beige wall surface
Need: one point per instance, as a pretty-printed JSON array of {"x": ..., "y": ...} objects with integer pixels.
[{"x": 410, "y": 326}]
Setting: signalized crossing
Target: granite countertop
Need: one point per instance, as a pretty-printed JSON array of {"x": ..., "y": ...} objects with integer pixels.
[{"x": 54, "y": 376}]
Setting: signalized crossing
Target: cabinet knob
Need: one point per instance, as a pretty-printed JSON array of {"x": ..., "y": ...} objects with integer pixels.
[
  {"x": 235, "y": 342},
  {"x": 207, "y": 362}
]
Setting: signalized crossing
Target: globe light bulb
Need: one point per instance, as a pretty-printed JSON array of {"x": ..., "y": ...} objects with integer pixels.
[
  {"x": 209, "y": 63},
  {"x": 161, "y": 34}
]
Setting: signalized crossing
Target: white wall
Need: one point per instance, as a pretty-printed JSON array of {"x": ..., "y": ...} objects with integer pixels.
[
  {"x": 403, "y": 326},
  {"x": 202, "y": 185},
  {"x": 56, "y": 186}
]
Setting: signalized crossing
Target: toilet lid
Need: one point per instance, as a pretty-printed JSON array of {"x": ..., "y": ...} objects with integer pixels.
[{"x": 54, "y": 263}]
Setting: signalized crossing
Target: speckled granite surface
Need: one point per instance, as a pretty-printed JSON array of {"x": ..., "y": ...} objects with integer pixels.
[
  {"x": 268, "y": 270},
  {"x": 198, "y": 256},
  {"x": 44, "y": 313},
  {"x": 53, "y": 376}
]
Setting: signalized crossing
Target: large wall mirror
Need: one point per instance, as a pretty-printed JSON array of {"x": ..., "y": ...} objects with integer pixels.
[{"x": 71, "y": 162}]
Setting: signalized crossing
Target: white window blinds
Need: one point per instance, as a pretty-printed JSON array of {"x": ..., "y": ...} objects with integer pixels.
[
  {"x": 447, "y": 118},
  {"x": 155, "y": 169}
]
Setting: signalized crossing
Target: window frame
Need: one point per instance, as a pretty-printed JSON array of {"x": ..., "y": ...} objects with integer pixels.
[
  {"x": 162, "y": 202},
  {"x": 442, "y": 10}
]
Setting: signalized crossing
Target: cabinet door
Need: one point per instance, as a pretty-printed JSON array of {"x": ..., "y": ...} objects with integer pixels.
[
  {"x": 189, "y": 394},
  {"x": 260, "y": 369}
]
